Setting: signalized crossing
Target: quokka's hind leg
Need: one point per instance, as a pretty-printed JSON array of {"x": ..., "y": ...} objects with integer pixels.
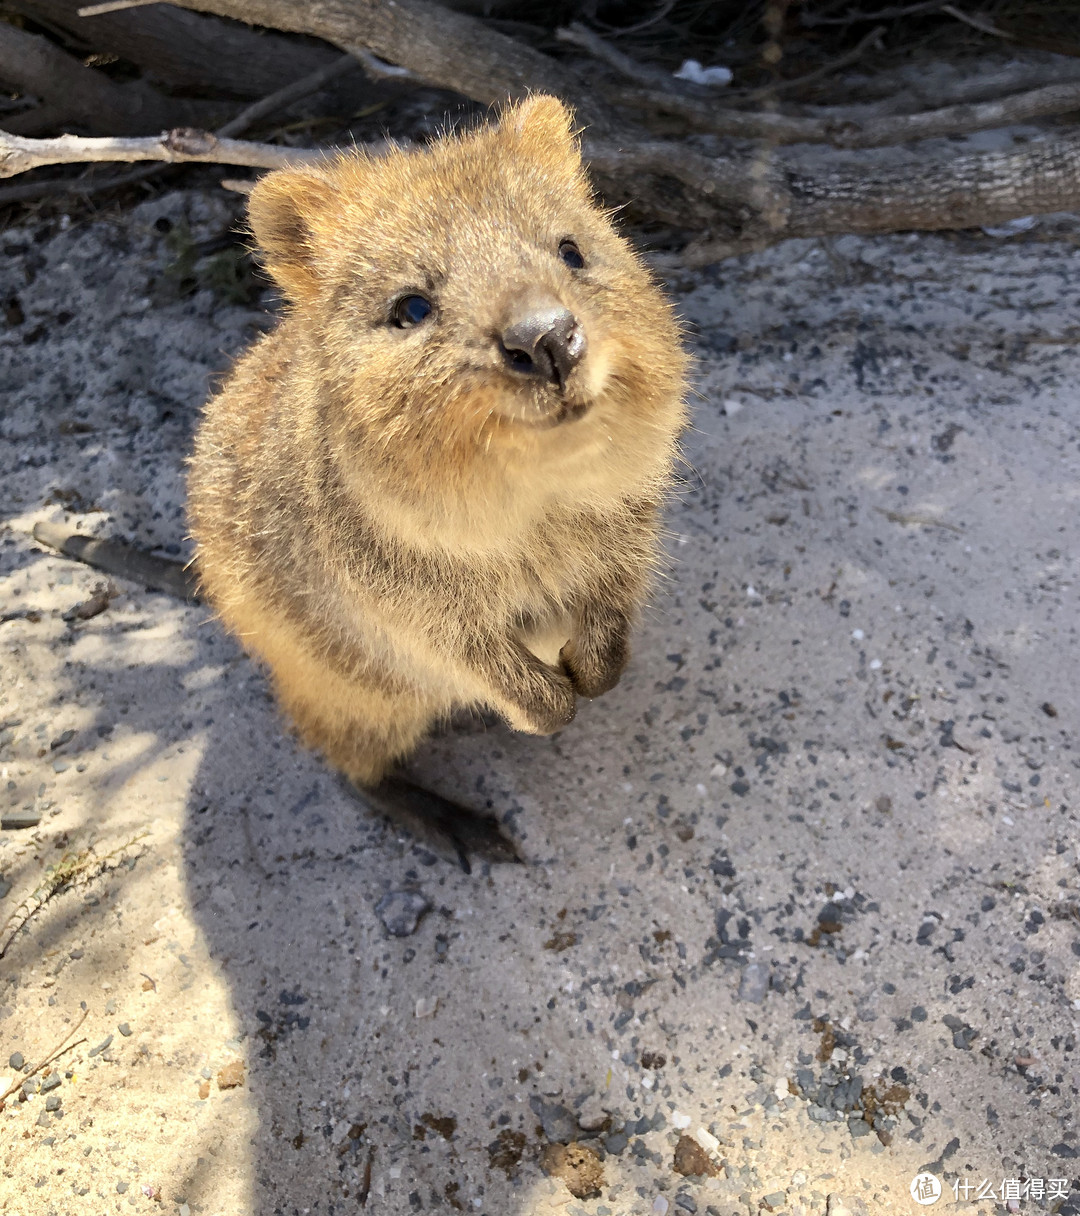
[
  {"x": 364, "y": 732},
  {"x": 451, "y": 831}
]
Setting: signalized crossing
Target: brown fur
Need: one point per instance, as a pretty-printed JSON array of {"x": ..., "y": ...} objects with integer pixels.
[{"x": 389, "y": 518}]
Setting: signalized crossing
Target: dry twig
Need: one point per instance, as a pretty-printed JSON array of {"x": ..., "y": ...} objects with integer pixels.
[
  {"x": 977, "y": 23},
  {"x": 580, "y": 35},
  {"x": 61, "y": 1047},
  {"x": 310, "y": 83},
  {"x": 123, "y": 561}
]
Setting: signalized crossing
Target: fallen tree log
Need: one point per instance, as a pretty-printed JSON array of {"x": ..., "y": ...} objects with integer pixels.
[
  {"x": 186, "y": 50},
  {"x": 75, "y": 95},
  {"x": 448, "y": 49},
  {"x": 723, "y": 201}
]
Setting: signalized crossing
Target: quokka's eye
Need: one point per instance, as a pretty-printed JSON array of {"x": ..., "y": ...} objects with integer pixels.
[
  {"x": 571, "y": 255},
  {"x": 410, "y": 310}
]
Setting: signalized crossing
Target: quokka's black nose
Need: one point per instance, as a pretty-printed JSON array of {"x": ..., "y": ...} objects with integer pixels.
[{"x": 547, "y": 343}]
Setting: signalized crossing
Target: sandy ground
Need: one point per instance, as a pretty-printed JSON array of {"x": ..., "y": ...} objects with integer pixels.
[{"x": 802, "y": 908}]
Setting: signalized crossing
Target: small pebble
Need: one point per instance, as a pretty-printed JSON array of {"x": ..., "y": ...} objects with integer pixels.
[
  {"x": 15, "y": 1060},
  {"x": 707, "y": 1140},
  {"x": 121, "y": 1188},
  {"x": 96, "y": 1051},
  {"x": 53, "y": 1101},
  {"x": 754, "y": 983},
  {"x": 679, "y": 1121},
  {"x": 400, "y": 911},
  {"x": 51, "y": 1082},
  {"x": 13, "y": 821},
  {"x": 124, "y": 1029},
  {"x": 231, "y": 1076},
  {"x": 857, "y": 635},
  {"x": 426, "y": 1006},
  {"x": 660, "y": 1206}
]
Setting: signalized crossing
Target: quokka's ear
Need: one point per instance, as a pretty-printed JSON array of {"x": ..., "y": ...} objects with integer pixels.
[
  {"x": 544, "y": 127},
  {"x": 289, "y": 211}
]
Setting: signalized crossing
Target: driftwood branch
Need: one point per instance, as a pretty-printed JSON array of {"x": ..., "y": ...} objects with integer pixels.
[
  {"x": 18, "y": 154},
  {"x": 845, "y": 132}
]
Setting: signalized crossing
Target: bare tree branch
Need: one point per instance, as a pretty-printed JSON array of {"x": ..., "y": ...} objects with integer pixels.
[
  {"x": 977, "y": 23},
  {"x": 285, "y": 96},
  {"x": 112, "y": 6},
  {"x": 872, "y": 39},
  {"x": 18, "y": 154},
  {"x": 580, "y": 35},
  {"x": 936, "y": 84},
  {"x": 848, "y": 133},
  {"x": 811, "y": 21},
  {"x": 239, "y": 123}
]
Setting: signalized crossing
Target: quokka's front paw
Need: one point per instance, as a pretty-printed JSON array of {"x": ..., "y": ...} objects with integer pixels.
[
  {"x": 595, "y": 674},
  {"x": 549, "y": 706}
]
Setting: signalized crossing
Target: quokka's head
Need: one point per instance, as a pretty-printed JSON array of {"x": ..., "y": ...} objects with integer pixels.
[{"x": 472, "y": 293}]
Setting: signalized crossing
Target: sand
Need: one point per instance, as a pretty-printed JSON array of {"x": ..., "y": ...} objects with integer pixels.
[{"x": 801, "y": 906}]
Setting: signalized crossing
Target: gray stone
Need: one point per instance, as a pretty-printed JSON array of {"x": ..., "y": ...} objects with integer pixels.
[
  {"x": 754, "y": 983},
  {"x": 96, "y": 1051},
  {"x": 12, "y": 821},
  {"x": 844, "y": 1205},
  {"x": 400, "y": 911},
  {"x": 559, "y": 1124},
  {"x": 15, "y": 1060},
  {"x": 616, "y": 1143},
  {"x": 52, "y": 1081}
]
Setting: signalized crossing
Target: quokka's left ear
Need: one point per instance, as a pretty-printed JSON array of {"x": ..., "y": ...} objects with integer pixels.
[
  {"x": 542, "y": 125},
  {"x": 292, "y": 212}
]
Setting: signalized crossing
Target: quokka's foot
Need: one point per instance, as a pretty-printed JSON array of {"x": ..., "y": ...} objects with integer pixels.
[{"x": 452, "y": 832}]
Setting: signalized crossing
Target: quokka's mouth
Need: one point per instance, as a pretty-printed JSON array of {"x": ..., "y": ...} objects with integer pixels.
[{"x": 560, "y": 412}]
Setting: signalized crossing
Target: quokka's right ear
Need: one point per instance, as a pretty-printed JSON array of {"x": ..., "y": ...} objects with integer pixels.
[{"x": 290, "y": 211}]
